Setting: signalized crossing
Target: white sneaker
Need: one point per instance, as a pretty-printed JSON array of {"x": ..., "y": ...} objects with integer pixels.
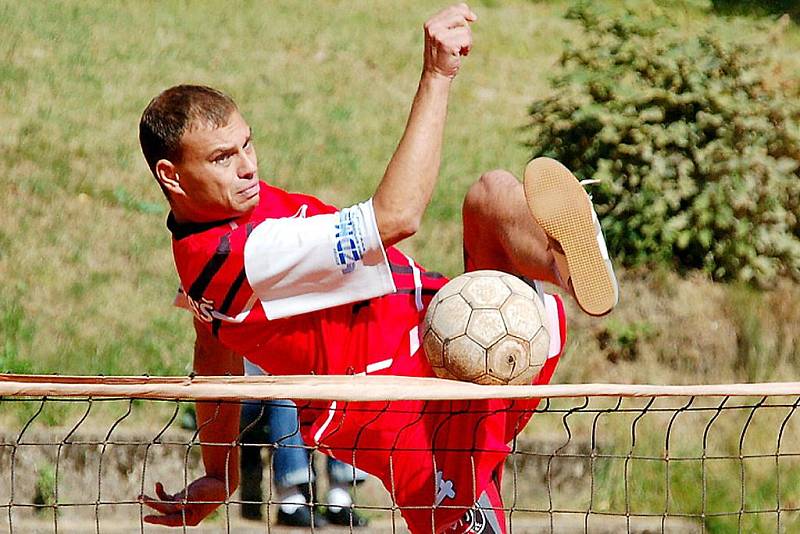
[{"x": 562, "y": 208}]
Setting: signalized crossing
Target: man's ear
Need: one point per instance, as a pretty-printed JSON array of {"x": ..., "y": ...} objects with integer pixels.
[{"x": 167, "y": 176}]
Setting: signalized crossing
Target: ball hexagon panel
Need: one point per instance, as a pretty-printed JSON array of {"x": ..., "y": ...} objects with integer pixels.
[
  {"x": 518, "y": 286},
  {"x": 540, "y": 347},
  {"x": 452, "y": 316},
  {"x": 464, "y": 358},
  {"x": 521, "y": 316},
  {"x": 508, "y": 359},
  {"x": 486, "y": 327},
  {"x": 489, "y": 380},
  {"x": 442, "y": 372},
  {"x": 485, "y": 292},
  {"x": 526, "y": 377},
  {"x": 539, "y": 303},
  {"x": 431, "y": 310},
  {"x": 434, "y": 348},
  {"x": 453, "y": 287}
]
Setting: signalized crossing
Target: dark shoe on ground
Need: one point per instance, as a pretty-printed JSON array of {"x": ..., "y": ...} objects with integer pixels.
[
  {"x": 346, "y": 517},
  {"x": 562, "y": 208},
  {"x": 252, "y": 511},
  {"x": 301, "y": 517}
]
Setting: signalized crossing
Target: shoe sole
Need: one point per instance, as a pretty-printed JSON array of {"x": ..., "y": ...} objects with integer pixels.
[{"x": 562, "y": 208}]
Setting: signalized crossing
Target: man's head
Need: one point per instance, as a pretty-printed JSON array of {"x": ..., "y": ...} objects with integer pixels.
[{"x": 199, "y": 148}]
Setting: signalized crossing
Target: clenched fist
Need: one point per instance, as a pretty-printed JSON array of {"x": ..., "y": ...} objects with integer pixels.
[{"x": 447, "y": 38}]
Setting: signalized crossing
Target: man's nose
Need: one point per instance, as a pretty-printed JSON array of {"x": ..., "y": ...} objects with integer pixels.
[{"x": 247, "y": 166}]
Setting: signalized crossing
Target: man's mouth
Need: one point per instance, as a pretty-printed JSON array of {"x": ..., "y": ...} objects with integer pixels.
[{"x": 250, "y": 192}]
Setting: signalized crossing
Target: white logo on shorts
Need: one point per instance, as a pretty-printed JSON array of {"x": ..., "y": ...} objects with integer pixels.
[{"x": 444, "y": 488}]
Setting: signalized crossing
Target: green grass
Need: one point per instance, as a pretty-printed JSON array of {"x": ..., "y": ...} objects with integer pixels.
[
  {"x": 86, "y": 274},
  {"x": 326, "y": 87}
]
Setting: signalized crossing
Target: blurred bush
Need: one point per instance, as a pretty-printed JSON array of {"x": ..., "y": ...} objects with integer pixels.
[
  {"x": 696, "y": 142},
  {"x": 759, "y": 7}
]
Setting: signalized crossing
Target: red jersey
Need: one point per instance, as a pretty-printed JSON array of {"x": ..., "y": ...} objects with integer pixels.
[{"x": 436, "y": 455}]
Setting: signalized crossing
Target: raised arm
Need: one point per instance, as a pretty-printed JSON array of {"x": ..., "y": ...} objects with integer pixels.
[
  {"x": 406, "y": 188},
  {"x": 218, "y": 424}
]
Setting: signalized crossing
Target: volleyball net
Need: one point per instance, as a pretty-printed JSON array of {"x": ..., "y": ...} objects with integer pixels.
[{"x": 75, "y": 452}]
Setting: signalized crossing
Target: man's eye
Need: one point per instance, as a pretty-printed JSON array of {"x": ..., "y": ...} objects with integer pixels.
[{"x": 222, "y": 159}]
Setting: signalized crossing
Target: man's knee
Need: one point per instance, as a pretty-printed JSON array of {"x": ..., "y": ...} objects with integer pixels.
[
  {"x": 498, "y": 178},
  {"x": 490, "y": 188}
]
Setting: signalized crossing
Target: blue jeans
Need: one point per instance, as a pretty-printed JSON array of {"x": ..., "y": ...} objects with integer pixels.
[{"x": 274, "y": 423}]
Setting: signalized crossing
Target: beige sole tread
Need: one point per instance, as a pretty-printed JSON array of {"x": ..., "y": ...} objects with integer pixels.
[{"x": 560, "y": 205}]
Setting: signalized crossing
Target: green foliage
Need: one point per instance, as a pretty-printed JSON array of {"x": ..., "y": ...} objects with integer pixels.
[
  {"x": 695, "y": 141},
  {"x": 45, "y": 486},
  {"x": 621, "y": 340},
  {"x": 759, "y": 7}
]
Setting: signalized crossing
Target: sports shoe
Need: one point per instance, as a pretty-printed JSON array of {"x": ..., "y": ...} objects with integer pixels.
[
  {"x": 345, "y": 516},
  {"x": 562, "y": 208},
  {"x": 301, "y": 517},
  {"x": 251, "y": 511}
]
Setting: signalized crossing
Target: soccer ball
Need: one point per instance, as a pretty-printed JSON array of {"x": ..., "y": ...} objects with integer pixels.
[{"x": 486, "y": 327}]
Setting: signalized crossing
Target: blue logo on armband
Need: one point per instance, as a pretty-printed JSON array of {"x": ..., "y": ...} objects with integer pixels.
[{"x": 349, "y": 240}]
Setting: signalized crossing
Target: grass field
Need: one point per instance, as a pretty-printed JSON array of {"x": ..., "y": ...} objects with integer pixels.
[
  {"x": 86, "y": 275},
  {"x": 86, "y": 269}
]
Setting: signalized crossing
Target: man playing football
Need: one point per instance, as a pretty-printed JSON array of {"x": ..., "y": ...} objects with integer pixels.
[{"x": 299, "y": 287}]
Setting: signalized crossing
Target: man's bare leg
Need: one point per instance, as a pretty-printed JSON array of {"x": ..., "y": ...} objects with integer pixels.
[
  {"x": 500, "y": 233},
  {"x": 544, "y": 229}
]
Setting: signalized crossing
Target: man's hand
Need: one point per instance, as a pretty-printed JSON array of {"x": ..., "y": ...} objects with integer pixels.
[
  {"x": 447, "y": 38},
  {"x": 188, "y": 507}
]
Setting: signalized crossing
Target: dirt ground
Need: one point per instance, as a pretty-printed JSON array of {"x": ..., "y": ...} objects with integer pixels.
[{"x": 238, "y": 526}]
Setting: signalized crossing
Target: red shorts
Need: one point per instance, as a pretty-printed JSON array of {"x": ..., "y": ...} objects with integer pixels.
[{"x": 434, "y": 457}]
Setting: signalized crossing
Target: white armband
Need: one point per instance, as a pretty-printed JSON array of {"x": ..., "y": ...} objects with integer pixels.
[{"x": 298, "y": 265}]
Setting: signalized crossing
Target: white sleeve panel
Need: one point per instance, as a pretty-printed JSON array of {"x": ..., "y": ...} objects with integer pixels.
[{"x": 299, "y": 265}]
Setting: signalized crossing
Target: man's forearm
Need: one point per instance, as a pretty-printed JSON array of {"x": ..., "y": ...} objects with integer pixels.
[
  {"x": 407, "y": 186},
  {"x": 219, "y": 427},
  {"x": 218, "y": 422}
]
